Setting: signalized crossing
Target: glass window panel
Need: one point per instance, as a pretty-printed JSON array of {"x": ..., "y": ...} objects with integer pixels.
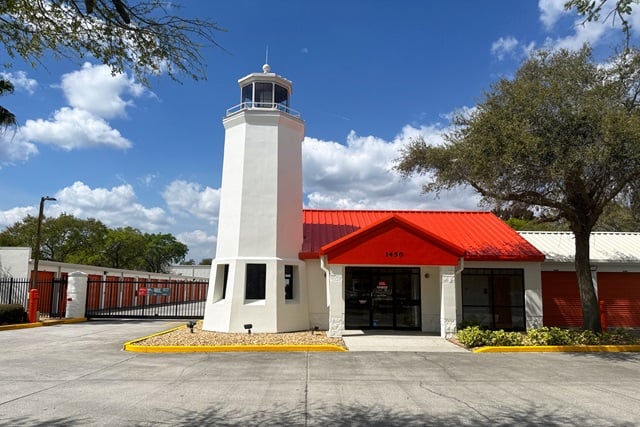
[
  {"x": 264, "y": 95},
  {"x": 282, "y": 98},
  {"x": 288, "y": 282},
  {"x": 255, "y": 284},
  {"x": 477, "y": 316},
  {"x": 247, "y": 95},
  {"x": 475, "y": 290}
]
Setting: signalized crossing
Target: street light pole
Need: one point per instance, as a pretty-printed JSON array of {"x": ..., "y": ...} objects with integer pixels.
[{"x": 36, "y": 256}]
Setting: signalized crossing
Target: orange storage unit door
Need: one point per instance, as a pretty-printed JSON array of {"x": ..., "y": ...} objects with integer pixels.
[
  {"x": 561, "y": 299},
  {"x": 621, "y": 295}
]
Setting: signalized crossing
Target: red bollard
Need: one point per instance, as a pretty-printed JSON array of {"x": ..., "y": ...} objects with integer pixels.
[
  {"x": 603, "y": 316},
  {"x": 32, "y": 311}
]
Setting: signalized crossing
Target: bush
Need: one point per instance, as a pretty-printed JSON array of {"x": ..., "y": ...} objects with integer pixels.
[
  {"x": 502, "y": 338},
  {"x": 11, "y": 314},
  {"x": 473, "y": 336}
]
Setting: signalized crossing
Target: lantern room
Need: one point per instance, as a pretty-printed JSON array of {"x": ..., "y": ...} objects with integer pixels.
[{"x": 264, "y": 90}]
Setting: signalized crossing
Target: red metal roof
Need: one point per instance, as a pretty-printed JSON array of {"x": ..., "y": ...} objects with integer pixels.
[{"x": 482, "y": 235}]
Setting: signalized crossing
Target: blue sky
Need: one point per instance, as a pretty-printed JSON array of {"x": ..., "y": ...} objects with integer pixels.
[{"x": 367, "y": 77}]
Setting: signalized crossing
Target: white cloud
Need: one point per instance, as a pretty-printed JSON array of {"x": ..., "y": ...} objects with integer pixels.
[
  {"x": 14, "y": 148},
  {"x": 201, "y": 245},
  {"x": 94, "y": 89},
  {"x": 20, "y": 81},
  {"x": 94, "y": 96},
  {"x": 190, "y": 198},
  {"x": 359, "y": 175},
  {"x": 72, "y": 128},
  {"x": 550, "y": 12},
  {"x": 590, "y": 32},
  {"x": 11, "y": 216},
  {"x": 116, "y": 207},
  {"x": 504, "y": 46}
]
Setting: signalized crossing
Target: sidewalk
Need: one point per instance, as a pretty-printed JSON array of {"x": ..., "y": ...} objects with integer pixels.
[{"x": 357, "y": 340}]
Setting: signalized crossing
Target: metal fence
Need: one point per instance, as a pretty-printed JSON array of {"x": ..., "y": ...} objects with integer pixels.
[
  {"x": 52, "y": 294},
  {"x": 14, "y": 291},
  {"x": 146, "y": 298}
]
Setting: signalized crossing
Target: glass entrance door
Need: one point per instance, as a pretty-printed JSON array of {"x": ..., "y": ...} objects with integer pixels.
[{"x": 384, "y": 298}]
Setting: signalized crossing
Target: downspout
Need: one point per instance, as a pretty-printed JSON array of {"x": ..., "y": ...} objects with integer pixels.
[
  {"x": 461, "y": 266},
  {"x": 327, "y": 274}
]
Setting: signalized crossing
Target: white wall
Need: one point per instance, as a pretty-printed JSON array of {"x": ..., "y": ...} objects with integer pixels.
[
  {"x": 430, "y": 299},
  {"x": 14, "y": 262},
  {"x": 317, "y": 291}
]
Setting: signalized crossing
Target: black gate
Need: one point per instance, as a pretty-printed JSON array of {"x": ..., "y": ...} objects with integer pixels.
[
  {"x": 52, "y": 296},
  {"x": 146, "y": 298}
]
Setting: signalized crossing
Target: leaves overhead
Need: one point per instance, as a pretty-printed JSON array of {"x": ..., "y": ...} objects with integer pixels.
[
  {"x": 592, "y": 10},
  {"x": 144, "y": 36},
  {"x": 7, "y": 118}
]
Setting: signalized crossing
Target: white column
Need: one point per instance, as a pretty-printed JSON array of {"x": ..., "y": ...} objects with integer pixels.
[
  {"x": 448, "y": 319},
  {"x": 76, "y": 295},
  {"x": 336, "y": 300},
  {"x": 533, "y": 296}
]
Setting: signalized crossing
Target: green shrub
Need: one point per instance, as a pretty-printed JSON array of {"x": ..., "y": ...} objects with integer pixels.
[
  {"x": 12, "y": 313},
  {"x": 473, "y": 336},
  {"x": 590, "y": 338},
  {"x": 502, "y": 338}
]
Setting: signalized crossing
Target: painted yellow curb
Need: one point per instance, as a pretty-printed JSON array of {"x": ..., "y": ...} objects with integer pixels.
[
  {"x": 134, "y": 347},
  {"x": 559, "y": 348},
  {"x": 228, "y": 348},
  {"x": 42, "y": 323}
]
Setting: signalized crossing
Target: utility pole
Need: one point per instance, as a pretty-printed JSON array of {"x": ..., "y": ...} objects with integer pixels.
[{"x": 36, "y": 256}]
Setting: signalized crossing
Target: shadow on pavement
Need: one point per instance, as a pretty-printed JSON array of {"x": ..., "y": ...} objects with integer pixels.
[{"x": 338, "y": 415}]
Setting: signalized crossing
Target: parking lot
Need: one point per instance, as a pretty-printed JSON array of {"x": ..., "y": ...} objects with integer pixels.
[{"x": 77, "y": 374}]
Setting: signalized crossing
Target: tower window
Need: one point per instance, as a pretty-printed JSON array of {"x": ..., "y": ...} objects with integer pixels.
[
  {"x": 281, "y": 98},
  {"x": 255, "y": 282},
  {"x": 289, "y": 281},
  {"x": 264, "y": 95},
  {"x": 247, "y": 96},
  {"x": 220, "y": 284}
]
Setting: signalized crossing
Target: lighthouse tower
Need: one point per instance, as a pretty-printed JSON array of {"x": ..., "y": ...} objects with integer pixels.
[{"x": 256, "y": 275}]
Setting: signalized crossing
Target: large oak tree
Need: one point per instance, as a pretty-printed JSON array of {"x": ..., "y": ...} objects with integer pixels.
[{"x": 562, "y": 136}]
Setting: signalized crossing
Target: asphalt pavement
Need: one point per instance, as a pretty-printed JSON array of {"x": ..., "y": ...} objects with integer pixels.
[{"x": 78, "y": 375}]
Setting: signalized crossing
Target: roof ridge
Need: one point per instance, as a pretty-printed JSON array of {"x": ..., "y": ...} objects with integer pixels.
[{"x": 398, "y": 211}]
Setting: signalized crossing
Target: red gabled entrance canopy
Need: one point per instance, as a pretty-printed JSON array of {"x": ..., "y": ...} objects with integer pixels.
[
  {"x": 423, "y": 237},
  {"x": 392, "y": 240}
]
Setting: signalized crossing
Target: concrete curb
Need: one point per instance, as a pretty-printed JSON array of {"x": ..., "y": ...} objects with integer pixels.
[
  {"x": 43, "y": 323},
  {"x": 560, "y": 349},
  {"x": 132, "y": 346}
]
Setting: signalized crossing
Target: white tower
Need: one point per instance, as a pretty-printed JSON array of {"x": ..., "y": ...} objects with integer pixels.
[{"x": 256, "y": 275}]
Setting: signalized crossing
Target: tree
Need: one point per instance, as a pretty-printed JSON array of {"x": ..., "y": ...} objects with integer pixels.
[
  {"x": 64, "y": 239},
  {"x": 141, "y": 35},
  {"x": 122, "y": 248},
  {"x": 563, "y": 137},
  {"x": 88, "y": 241},
  {"x": 162, "y": 250},
  {"x": 74, "y": 240},
  {"x": 7, "y": 118},
  {"x": 206, "y": 261}
]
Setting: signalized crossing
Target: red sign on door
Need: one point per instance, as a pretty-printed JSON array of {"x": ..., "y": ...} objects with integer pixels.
[{"x": 142, "y": 292}]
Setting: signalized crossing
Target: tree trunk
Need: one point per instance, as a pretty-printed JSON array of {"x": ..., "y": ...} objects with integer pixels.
[{"x": 588, "y": 298}]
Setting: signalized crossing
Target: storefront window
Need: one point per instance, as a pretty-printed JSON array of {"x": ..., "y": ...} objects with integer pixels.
[{"x": 493, "y": 298}]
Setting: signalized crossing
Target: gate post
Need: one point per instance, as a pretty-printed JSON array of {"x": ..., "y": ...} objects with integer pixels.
[
  {"x": 76, "y": 295},
  {"x": 34, "y": 301}
]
